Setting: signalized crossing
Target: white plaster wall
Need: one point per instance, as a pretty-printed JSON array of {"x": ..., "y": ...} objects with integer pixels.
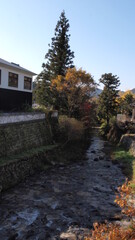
[
  {"x": 4, "y": 80},
  {"x": 22, "y": 117}
]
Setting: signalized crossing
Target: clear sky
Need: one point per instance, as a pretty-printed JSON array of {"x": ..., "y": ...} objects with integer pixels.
[{"x": 102, "y": 34}]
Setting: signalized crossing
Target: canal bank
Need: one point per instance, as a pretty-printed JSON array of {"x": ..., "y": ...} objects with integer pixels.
[{"x": 64, "y": 200}]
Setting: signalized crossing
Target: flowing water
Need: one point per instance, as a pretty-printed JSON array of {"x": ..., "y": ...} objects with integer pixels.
[{"x": 64, "y": 201}]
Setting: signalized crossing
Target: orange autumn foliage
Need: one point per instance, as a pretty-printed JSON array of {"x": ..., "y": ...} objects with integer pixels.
[
  {"x": 75, "y": 88},
  {"x": 73, "y": 80}
]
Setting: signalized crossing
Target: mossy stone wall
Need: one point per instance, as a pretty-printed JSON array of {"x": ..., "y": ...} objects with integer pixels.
[
  {"x": 128, "y": 142},
  {"x": 20, "y": 167},
  {"x": 20, "y": 137}
]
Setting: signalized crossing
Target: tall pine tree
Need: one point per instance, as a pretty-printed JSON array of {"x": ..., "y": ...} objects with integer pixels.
[
  {"x": 59, "y": 56},
  {"x": 58, "y": 59},
  {"x": 107, "y": 106}
]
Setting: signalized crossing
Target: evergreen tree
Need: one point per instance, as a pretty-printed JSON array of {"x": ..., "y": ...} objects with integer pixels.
[
  {"x": 107, "y": 106},
  {"x": 59, "y": 56},
  {"x": 59, "y": 59}
]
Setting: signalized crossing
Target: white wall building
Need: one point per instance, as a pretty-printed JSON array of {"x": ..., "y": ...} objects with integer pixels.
[{"x": 15, "y": 86}]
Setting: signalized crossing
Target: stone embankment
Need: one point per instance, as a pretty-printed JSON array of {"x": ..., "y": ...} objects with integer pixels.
[
  {"x": 123, "y": 135},
  {"x": 19, "y": 167},
  {"x": 22, "y": 136},
  {"x": 24, "y": 140},
  {"x": 128, "y": 141},
  {"x": 64, "y": 201}
]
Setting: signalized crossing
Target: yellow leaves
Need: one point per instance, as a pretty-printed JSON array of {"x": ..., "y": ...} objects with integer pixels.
[
  {"x": 78, "y": 76},
  {"x": 124, "y": 102},
  {"x": 128, "y": 92},
  {"x": 73, "y": 79},
  {"x": 58, "y": 83},
  {"x": 123, "y": 96}
]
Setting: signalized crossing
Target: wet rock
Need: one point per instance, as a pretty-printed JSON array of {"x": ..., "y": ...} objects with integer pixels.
[
  {"x": 13, "y": 237},
  {"x": 47, "y": 235},
  {"x": 53, "y": 163},
  {"x": 1, "y": 188},
  {"x": 56, "y": 190},
  {"x": 30, "y": 233},
  {"x": 67, "y": 236},
  {"x": 115, "y": 162},
  {"x": 76, "y": 232},
  {"x": 124, "y": 223},
  {"x": 107, "y": 166},
  {"x": 101, "y": 157},
  {"x": 93, "y": 151},
  {"x": 116, "y": 218}
]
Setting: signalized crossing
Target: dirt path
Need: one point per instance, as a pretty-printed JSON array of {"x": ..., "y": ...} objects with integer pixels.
[{"x": 64, "y": 201}]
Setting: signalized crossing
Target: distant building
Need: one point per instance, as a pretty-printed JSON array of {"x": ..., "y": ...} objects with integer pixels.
[{"x": 15, "y": 86}]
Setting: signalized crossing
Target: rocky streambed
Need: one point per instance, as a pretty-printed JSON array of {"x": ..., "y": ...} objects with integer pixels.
[{"x": 63, "y": 201}]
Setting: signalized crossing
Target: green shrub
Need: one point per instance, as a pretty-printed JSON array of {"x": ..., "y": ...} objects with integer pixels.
[
  {"x": 127, "y": 161},
  {"x": 104, "y": 129},
  {"x": 112, "y": 121}
]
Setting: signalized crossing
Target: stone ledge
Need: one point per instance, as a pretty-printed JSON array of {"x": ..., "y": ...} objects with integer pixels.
[{"x": 6, "y": 118}]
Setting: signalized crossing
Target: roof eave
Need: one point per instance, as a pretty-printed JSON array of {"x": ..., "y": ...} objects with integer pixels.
[{"x": 20, "y": 69}]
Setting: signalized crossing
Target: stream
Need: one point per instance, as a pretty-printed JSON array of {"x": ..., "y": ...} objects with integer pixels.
[{"x": 64, "y": 201}]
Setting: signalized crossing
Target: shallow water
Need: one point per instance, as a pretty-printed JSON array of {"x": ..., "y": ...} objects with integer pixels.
[{"x": 62, "y": 199}]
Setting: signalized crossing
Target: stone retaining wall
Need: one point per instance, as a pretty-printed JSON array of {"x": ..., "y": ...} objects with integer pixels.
[
  {"x": 16, "y": 171},
  {"x": 128, "y": 141},
  {"x": 23, "y": 147},
  {"x": 22, "y": 136}
]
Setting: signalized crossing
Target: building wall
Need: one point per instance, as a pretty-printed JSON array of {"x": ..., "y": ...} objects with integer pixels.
[
  {"x": 12, "y": 100},
  {"x": 4, "y": 79}
]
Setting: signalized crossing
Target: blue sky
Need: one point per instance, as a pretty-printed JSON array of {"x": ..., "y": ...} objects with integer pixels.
[{"x": 102, "y": 34}]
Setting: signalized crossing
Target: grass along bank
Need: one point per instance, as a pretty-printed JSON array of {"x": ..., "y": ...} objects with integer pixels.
[
  {"x": 127, "y": 163},
  {"x": 26, "y": 154}
]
